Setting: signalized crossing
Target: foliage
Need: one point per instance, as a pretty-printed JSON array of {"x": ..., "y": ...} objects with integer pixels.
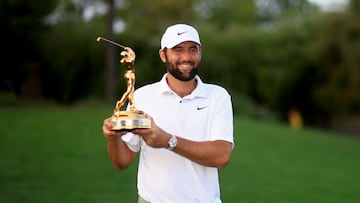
[
  {"x": 21, "y": 21},
  {"x": 9, "y": 99},
  {"x": 229, "y": 12},
  {"x": 338, "y": 70},
  {"x": 278, "y": 54},
  {"x": 71, "y": 74},
  {"x": 295, "y": 65},
  {"x": 278, "y": 10},
  {"x": 153, "y": 16}
]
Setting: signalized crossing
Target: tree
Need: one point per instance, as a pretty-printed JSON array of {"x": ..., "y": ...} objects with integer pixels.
[
  {"x": 275, "y": 10},
  {"x": 21, "y": 22},
  {"x": 111, "y": 82}
]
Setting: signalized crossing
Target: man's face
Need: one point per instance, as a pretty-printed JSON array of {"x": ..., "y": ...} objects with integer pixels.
[{"x": 182, "y": 61}]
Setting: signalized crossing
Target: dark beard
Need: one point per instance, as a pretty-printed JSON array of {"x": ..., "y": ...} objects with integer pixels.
[
  {"x": 174, "y": 71},
  {"x": 179, "y": 75}
]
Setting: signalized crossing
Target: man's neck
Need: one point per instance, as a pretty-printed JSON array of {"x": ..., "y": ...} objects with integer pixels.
[{"x": 181, "y": 88}]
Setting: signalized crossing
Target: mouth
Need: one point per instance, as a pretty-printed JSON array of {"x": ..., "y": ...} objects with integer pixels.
[{"x": 186, "y": 66}]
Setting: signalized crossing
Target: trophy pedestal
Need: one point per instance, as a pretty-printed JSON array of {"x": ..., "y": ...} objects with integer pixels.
[{"x": 129, "y": 120}]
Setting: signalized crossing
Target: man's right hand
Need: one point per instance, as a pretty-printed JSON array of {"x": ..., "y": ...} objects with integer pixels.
[{"x": 111, "y": 135}]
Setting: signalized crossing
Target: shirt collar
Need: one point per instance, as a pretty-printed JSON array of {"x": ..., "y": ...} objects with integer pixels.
[{"x": 199, "y": 91}]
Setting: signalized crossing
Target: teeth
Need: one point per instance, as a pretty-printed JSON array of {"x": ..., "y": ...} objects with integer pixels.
[{"x": 185, "y": 65}]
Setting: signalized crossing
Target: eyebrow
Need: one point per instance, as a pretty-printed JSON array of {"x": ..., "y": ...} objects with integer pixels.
[{"x": 179, "y": 46}]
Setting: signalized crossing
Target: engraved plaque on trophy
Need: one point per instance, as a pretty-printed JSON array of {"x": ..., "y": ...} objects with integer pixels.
[{"x": 131, "y": 118}]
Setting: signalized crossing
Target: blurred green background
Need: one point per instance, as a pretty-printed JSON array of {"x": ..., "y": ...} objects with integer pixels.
[
  {"x": 58, "y": 154},
  {"x": 274, "y": 56},
  {"x": 292, "y": 68}
]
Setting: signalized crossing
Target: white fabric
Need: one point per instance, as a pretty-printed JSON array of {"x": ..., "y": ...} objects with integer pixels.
[
  {"x": 177, "y": 34},
  {"x": 206, "y": 114}
]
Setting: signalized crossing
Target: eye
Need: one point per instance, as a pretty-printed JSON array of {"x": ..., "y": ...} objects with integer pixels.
[
  {"x": 177, "y": 49},
  {"x": 194, "y": 49}
]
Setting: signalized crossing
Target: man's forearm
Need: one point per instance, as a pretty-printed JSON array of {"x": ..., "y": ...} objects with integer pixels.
[
  {"x": 211, "y": 153},
  {"x": 121, "y": 156}
]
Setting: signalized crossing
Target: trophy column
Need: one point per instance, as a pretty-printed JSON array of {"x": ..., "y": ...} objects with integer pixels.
[{"x": 132, "y": 118}]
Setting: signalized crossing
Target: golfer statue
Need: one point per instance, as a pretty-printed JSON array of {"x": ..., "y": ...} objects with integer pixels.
[{"x": 132, "y": 118}]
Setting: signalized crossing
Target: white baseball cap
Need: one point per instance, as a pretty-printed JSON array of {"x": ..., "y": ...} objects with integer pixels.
[{"x": 177, "y": 34}]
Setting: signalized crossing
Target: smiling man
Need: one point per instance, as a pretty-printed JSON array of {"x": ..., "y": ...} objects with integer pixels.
[{"x": 191, "y": 133}]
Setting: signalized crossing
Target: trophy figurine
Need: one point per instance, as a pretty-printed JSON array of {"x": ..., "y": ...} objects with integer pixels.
[{"x": 131, "y": 118}]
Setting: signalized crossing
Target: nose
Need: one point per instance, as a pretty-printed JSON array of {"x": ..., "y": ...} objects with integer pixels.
[{"x": 188, "y": 54}]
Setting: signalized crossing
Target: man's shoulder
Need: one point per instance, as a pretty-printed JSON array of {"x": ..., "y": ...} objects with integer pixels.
[
  {"x": 148, "y": 87},
  {"x": 215, "y": 89}
]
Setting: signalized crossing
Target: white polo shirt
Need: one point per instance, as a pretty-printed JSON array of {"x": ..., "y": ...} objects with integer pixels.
[{"x": 206, "y": 114}]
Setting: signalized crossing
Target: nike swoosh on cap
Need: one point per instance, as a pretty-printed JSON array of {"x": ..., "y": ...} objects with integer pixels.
[{"x": 180, "y": 33}]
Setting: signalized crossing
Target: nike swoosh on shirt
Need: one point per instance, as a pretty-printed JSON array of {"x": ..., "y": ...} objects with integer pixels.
[
  {"x": 180, "y": 33},
  {"x": 200, "y": 108}
]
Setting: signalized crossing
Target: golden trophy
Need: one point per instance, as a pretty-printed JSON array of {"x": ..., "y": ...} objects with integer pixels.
[{"x": 132, "y": 118}]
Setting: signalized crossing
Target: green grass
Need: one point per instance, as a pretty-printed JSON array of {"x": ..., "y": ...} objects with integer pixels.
[{"x": 58, "y": 154}]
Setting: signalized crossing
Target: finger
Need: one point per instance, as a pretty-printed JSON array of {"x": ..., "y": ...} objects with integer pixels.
[
  {"x": 152, "y": 123},
  {"x": 107, "y": 131},
  {"x": 148, "y": 116},
  {"x": 111, "y": 134},
  {"x": 107, "y": 122},
  {"x": 106, "y": 126},
  {"x": 141, "y": 131}
]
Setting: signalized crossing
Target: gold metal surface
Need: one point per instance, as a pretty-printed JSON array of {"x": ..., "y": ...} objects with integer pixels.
[{"x": 133, "y": 118}]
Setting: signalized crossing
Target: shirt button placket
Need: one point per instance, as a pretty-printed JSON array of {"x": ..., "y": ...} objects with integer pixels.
[{"x": 179, "y": 116}]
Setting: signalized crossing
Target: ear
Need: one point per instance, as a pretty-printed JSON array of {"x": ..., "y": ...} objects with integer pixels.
[
  {"x": 200, "y": 53},
  {"x": 162, "y": 55}
]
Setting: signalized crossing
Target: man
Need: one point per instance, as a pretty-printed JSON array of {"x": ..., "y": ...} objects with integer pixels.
[{"x": 191, "y": 133}]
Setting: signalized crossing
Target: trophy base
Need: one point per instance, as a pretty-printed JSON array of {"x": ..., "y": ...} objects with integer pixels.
[{"x": 129, "y": 120}]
